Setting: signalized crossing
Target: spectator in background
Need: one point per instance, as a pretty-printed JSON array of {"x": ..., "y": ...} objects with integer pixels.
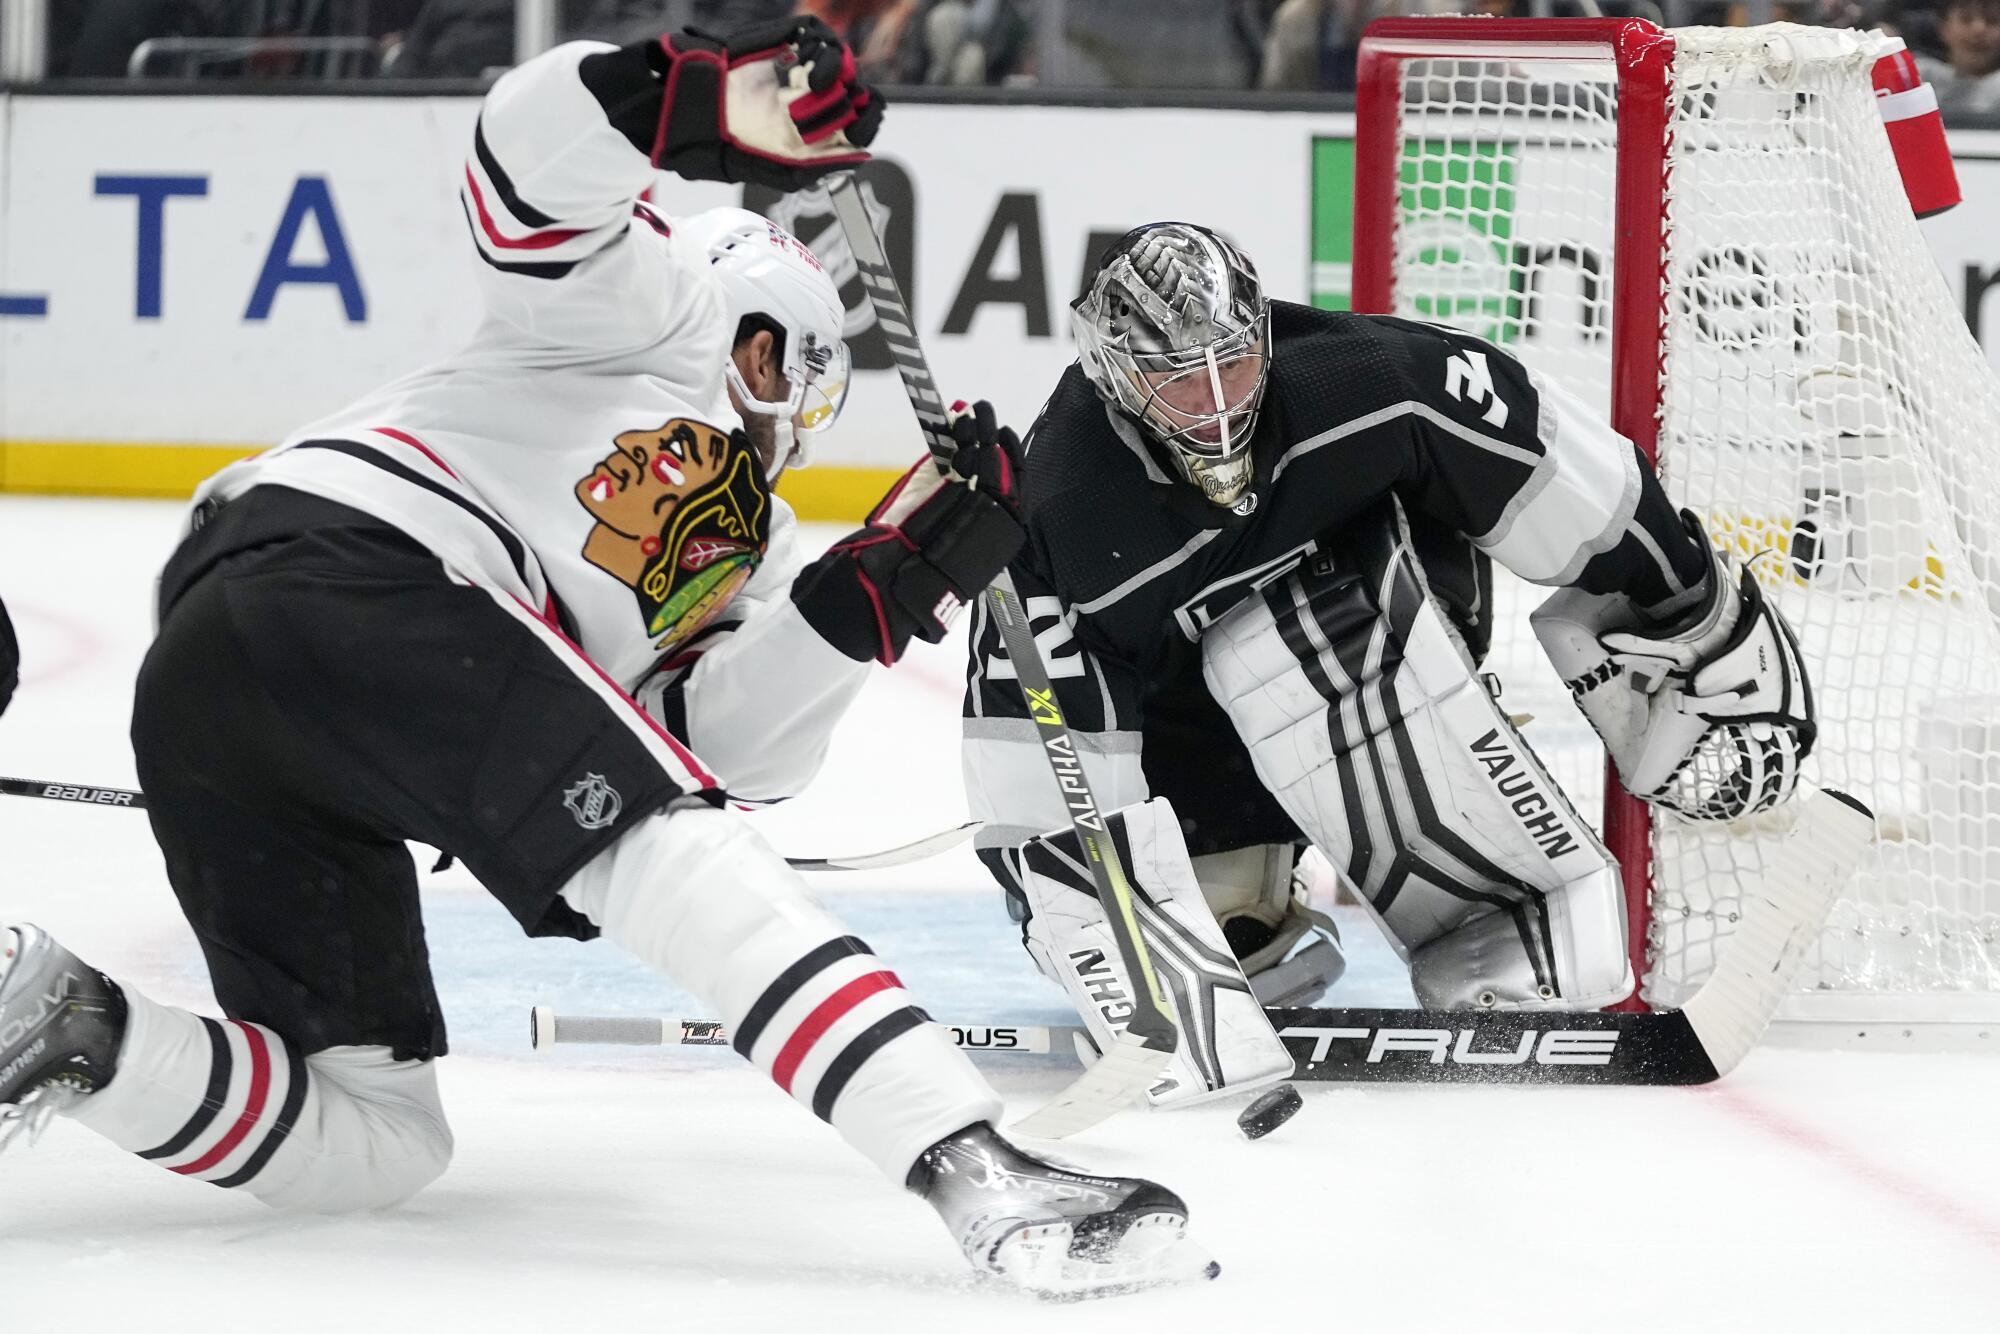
[
  {"x": 1968, "y": 78},
  {"x": 95, "y": 39},
  {"x": 467, "y": 39},
  {"x": 456, "y": 39},
  {"x": 1312, "y": 44},
  {"x": 968, "y": 42},
  {"x": 877, "y": 31}
]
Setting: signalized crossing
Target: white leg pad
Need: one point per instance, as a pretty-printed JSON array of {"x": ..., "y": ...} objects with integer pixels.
[
  {"x": 703, "y": 898},
  {"x": 1226, "y": 1043},
  {"x": 1365, "y": 718}
]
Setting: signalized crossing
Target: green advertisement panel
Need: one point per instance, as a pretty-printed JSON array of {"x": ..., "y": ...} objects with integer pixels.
[{"x": 1456, "y": 233}]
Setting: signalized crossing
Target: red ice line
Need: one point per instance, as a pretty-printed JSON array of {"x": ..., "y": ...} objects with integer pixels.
[{"x": 1912, "y": 1193}]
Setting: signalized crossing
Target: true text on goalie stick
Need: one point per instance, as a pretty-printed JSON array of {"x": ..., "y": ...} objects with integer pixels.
[{"x": 1149, "y": 1037}]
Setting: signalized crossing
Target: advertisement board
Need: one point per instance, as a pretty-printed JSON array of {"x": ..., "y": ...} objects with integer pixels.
[{"x": 184, "y": 280}]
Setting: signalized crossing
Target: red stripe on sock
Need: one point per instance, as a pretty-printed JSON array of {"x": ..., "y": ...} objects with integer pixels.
[
  {"x": 260, "y": 1089},
  {"x": 824, "y": 1016}
]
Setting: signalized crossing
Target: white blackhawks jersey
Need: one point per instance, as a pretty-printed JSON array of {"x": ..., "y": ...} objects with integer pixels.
[{"x": 551, "y": 456}]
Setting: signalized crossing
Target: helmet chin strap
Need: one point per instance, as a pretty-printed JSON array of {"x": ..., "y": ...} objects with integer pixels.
[{"x": 792, "y": 450}]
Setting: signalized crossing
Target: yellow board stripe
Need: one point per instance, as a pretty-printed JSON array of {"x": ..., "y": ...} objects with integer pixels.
[
  {"x": 96, "y": 468},
  {"x": 89, "y": 468}
]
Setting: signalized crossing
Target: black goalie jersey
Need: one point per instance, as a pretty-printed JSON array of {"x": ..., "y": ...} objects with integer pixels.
[{"x": 1127, "y": 565}]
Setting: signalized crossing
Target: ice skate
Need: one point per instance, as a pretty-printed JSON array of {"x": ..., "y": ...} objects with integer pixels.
[
  {"x": 1053, "y": 1232},
  {"x": 60, "y": 1025}
]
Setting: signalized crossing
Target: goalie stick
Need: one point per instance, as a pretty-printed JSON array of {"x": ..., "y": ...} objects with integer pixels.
[
  {"x": 930, "y": 845},
  {"x": 1149, "y": 1037},
  {"x": 1697, "y": 1044}
]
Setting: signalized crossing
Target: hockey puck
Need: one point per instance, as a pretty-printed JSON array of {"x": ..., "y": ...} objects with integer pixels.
[{"x": 1269, "y": 1111}]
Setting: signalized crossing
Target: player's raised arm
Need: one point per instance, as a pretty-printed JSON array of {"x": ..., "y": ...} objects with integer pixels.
[{"x": 567, "y": 143}]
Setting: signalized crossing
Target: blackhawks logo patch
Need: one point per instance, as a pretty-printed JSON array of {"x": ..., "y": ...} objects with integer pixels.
[{"x": 683, "y": 516}]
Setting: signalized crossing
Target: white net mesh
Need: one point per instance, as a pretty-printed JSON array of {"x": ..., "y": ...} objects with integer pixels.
[{"x": 1821, "y": 403}]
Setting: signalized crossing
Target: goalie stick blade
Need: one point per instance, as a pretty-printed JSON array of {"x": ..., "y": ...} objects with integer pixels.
[
  {"x": 1784, "y": 913},
  {"x": 1111, "y": 1085},
  {"x": 1782, "y": 916},
  {"x": 1491, "y": 1047}
]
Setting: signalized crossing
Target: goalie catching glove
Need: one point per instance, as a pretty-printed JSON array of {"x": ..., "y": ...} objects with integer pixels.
[
  {"x": 777, "y": 104},
  {"x": 931, "y": 546},
  {"x": 1226, "y": 1043},
  {"x": 1710, "y": 715}
]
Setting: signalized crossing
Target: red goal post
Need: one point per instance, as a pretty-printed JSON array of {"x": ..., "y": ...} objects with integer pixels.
[{"x": 1703, "y": 231}]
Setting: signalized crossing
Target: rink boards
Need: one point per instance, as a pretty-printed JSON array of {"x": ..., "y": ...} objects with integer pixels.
[{"x": 184, "y": 280}]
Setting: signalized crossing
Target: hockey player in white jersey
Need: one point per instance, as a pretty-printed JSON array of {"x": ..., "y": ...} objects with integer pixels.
[
  {"x": 421, "y": 620},
  {"x": 1258, "y": 551}
]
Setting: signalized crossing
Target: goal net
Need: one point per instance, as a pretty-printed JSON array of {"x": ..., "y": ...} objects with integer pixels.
[{"x": 1704, "y": 232}]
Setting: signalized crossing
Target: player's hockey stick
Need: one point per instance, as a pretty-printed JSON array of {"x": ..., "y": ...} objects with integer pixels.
[
  {"x": 1694, "y": 1045},
  {"x": 1147, "y": 1043},
  {"x": 930, "y": 845}
]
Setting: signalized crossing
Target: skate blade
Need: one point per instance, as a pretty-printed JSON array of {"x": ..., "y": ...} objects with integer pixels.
[
  {"x": 1154, "y": 1252},
  {"x": 31, "y": 1116}
]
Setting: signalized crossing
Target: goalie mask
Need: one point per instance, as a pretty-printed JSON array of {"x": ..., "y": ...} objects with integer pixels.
[
  {"x": 1176, "y": 333},
  {"x": 769, "y": 275}
]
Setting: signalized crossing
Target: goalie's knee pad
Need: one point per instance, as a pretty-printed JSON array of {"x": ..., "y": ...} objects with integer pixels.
[
  {"x": 1226, "y": 1042},
  {"x": 1290, "y": 952},
  {"x": 1367, "y": 721},
  {"x": 1491, "y": 962}
]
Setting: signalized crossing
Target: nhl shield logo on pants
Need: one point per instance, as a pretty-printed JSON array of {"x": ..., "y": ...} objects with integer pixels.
[{"x": 593, "y": 802}]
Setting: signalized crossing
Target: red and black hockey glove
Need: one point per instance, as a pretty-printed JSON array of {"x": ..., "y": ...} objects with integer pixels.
[
  {"x": 931, "y": 546},
  {"x": 778, "y": 104}
]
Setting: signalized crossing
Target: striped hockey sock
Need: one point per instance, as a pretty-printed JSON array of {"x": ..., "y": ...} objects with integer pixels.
[
  {"x": 212, "y": 1099},
  {"x": 821, "y": 1019},
  {"x": 235, "y": 1105},
  {"x": 838, "y": 1032}
]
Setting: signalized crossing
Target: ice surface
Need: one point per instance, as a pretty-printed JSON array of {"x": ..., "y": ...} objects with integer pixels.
[{"x": 619, "y": 1189}]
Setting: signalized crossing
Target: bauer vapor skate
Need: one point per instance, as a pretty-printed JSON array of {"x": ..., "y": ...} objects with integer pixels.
[
  {"x": 60, "y": 1025},
  {"x": 1053, "y": 1232}
]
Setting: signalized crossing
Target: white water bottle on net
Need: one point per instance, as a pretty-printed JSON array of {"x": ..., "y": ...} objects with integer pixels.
[{"x": 1704, "y": 231}]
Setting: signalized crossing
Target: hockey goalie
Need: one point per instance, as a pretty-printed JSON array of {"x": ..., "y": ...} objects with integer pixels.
[{"x": 1258, "y": 566}]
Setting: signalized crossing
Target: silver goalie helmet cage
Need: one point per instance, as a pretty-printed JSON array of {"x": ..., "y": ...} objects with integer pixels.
[{"x": 1175, "y": 332}]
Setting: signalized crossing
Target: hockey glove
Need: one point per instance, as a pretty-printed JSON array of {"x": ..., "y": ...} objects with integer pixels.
[
  {"x": 1710, "y": 716},
  {"x": 777, "y": 104},
  {"x": 931, "y": 546}
]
